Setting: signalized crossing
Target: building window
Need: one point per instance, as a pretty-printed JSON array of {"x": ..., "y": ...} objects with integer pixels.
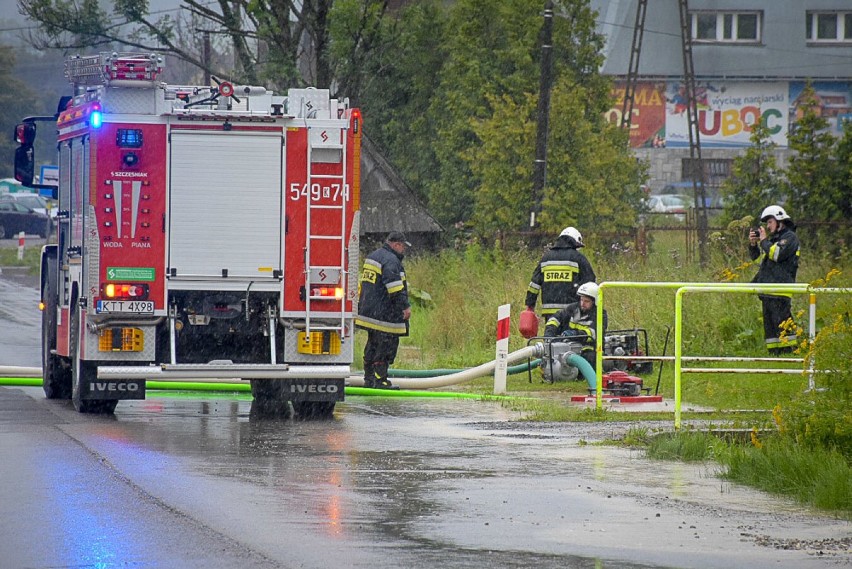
[
  {"x": 726, "y": 27},
  {"x": 829, "y": 27}
]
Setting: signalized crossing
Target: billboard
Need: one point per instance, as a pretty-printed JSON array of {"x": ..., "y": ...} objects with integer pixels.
[
  {"x": 726, "y": 111},
  {"x": 648, "y": 119},
  {"x": 833, "y": 103}
]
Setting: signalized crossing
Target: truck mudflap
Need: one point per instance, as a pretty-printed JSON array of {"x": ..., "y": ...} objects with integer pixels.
[
  {"x": 113, "y": 389},
  {"x": 314, "y": 390},
  {"x": 218, "y": 373}
]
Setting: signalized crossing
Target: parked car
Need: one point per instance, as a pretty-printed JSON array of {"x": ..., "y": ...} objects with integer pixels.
[
  {"x": 686, "y": 191},
  {"x": 33, "y": 201},
  {"x": 15, "y": 218},
  {"x": 670, "y": 204}
]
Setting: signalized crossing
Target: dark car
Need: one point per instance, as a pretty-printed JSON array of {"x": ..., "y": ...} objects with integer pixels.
[
  {"x": 15, "y": 218},
  {"x": 33, "y": 201}
]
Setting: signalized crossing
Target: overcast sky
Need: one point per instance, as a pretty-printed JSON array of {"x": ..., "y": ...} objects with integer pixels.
[{"x": 9, "y": 13}]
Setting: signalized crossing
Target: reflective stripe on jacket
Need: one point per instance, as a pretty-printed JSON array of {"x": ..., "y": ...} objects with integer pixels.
[
  {"x": 780, "y": 258},
  {"x": 572, "y": 318},
  {"x": 557, "y": 276},
  {"x": 383, "y": 293}
]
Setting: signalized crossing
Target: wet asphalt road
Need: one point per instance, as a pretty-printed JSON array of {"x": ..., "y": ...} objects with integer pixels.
[
  {"x": 200, "y": 481},
  {"x": 20, "y": 320}
]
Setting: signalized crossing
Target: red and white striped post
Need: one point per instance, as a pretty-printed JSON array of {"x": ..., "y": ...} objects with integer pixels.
[
  {"x": 21, "y": 240},
  {"x": 502, "y": 359},
  {"x": 811, "y": 338}
]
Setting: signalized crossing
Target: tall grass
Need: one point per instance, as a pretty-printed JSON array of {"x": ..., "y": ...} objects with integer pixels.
[
  {"x": 32, "y": 255},
  {"x": 689, "y": 447},
  {"x": 816, "y": 477}
]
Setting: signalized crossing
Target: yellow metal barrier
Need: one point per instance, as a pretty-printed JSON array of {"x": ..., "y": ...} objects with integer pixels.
[
  {"x": 678, "y": 358},
  {"x": 793, "y": 288}
]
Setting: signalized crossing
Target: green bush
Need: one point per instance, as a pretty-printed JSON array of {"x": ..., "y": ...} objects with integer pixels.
[{"x": 822, "y": 418}]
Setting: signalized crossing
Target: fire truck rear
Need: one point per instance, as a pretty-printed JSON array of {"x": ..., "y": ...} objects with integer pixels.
[{"x": 205, "y": 234}]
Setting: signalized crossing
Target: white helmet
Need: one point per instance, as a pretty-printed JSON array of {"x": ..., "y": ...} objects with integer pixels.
[
  {"x": 775, "y": 211},
  {"x": 589, "y": 289},
  {"x": 574, "y": 234}
]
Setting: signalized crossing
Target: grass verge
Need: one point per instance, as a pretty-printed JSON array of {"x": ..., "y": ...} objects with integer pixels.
[{"x": 816, "y": 477}]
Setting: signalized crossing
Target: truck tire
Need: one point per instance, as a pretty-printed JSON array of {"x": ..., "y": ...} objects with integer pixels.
[
  {"x": 314, "y": 409},
  {"x": 83, "y": 371},
  {"x": 269, "y": 400},
  {"x": 56, "y": 380}
]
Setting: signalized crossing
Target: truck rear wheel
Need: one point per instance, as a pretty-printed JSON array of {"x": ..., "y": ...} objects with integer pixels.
[
  {"x": 56, "y": 377},
  {"x": 314, "y": 409},
  {"x": 269, "y": 398},
  {"x": 83, "y": 371}
]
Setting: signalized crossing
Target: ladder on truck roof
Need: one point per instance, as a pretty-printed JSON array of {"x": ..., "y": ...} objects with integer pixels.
[
  {"x": 109, "y": 68},
  {"x": 321, "y": 143}
]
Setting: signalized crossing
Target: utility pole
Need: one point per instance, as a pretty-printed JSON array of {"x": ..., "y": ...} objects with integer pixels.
[
  {"x": 696, "y": 164},
  {"x": 633, "y": 69},
  {"x": 543, "y": 114},
  {"x": 205, "y": 56}
]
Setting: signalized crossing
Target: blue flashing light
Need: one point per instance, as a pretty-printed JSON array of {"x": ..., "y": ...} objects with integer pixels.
[{"x": 96, "y": 119}]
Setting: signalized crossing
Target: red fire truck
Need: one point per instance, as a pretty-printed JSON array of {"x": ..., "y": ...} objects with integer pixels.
[{"x": 205, "y": 234}]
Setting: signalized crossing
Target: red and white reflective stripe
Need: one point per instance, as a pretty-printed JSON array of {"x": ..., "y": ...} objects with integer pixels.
[
  {"x": 502, "y": 351},
  {"x": 503, "y": 322},
  {"x": 21, "y": 242}
]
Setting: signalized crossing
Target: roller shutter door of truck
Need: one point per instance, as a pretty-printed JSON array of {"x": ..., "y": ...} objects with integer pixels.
[{"x": 225, "y": 205}]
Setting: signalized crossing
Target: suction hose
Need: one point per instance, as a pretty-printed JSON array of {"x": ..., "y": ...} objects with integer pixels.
[
  {"x": 512, "y": 370},
  {"x": 534, "y": 351},
  {"x": 585, "y": 368}
]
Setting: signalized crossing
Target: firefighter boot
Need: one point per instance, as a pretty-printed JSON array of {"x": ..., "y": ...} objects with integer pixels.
[
  {"x": 380, "y": 372},
  {"x": 369, "y": 374}
]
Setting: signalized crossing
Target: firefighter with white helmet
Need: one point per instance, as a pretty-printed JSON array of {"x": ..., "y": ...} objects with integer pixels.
[
  {"x": 579, "y": 319},
  {"x": 777, "y": 246},
  {"x": 560, "y": 272}
]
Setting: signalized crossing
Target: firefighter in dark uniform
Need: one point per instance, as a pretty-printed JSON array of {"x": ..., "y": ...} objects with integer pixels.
[
  {"x": 383, "y": 308},
  {"x": 778, "y": 247},
  {"x": 560, "y": 272},
  {"x": 579, "y": 319}
]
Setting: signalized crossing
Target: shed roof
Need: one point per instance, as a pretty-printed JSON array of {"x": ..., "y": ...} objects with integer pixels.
[{"x": 387, "y": 202}]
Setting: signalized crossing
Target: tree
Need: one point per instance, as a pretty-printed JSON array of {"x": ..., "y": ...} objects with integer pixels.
[
  {"x": 399, "y": 85},
  {"x": 817, "y": 190},
  {"x": 756, "y": 181},
  {"x": 842, "y": 239},
  {"x": 479, "y": 76},
  {"x": 16, "y": 101},
  {"x": 593, "y": 181},
  {"x": 277, "y": 43}
]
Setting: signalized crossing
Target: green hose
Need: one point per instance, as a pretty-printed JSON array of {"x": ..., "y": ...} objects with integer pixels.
[
  {"x": 245, "y": 387},
  {"x": 585, "y": 368}
]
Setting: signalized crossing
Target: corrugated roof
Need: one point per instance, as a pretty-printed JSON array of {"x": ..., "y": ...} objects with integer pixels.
[{"x": 387, "y": 202}]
